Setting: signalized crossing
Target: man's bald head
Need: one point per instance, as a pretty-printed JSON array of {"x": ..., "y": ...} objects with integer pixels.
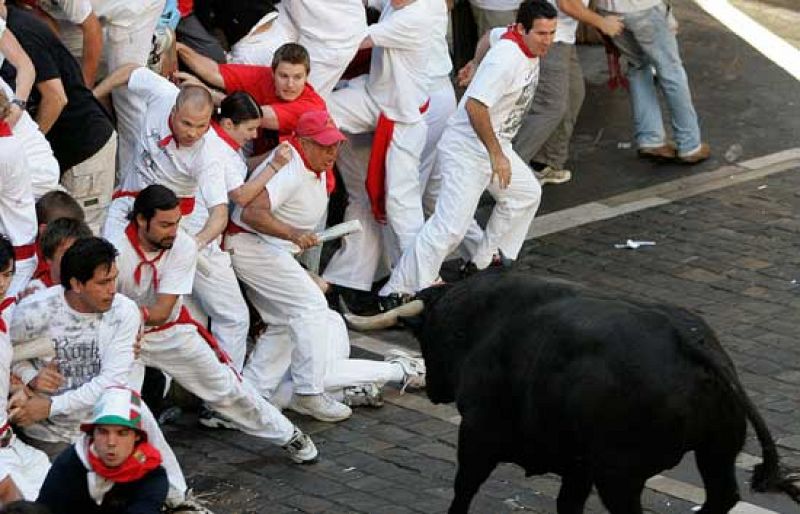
[{"x": 191, "y": 116}]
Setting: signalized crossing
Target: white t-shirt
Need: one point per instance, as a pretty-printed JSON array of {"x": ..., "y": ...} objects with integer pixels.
[
  {"x": 566, "y": 25},
  {"x": 93, "y": 351},
  {"x": 626, "y": 6},
  {"x": 175, "y": 268},
  {"x": 234, "y": 171},
  {"x": 334, "y": 24},
  {"x": 75, "y": 11},
  {"x": 504, "y": 82},
  {"x": 42, "y": 164},
  {"x": 297, "y": 197},
  {"x": 398, "y": 75},
  {"x": 17, "y": 211},
  {"x": 497, "y": 5},
  {"x": 259, "y": 48},
  {"x": 158, "y": 159}
]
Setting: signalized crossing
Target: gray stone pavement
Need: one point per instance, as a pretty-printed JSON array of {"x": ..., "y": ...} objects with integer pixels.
[{"x": 730, "y": 255}]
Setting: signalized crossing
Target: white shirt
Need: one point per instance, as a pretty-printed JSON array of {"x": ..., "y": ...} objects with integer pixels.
[
  {"x": 626, "y": 6},
  {"x": 234, "y": 171},
  {"x": 398, "y": 75},
  {"x": 504, "y": 82},
  {"x": 497, "y": 5},
  {"x": 93, "y": 351},
  {"x": 158, "y": 159},
  {"x": 37, "y": 150},
  {"x": 116, "y": 12},
  {"x": 175, "y": 268},
  {"x": 297, "y": 197},
  {"x": 258, "y": 48},
  {"x": 566, "y": 25},
  {"x": 332, "y": 23},
  {"x": 17, "y": 210},
  {"x": 75, "y": 11}
]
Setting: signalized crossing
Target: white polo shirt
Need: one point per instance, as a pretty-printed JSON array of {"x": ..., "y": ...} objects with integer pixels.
[
  {"x": 398, "y": 74},
  {"x": 297, "y": 196},
  {"x": 17, "y": 210},
  {"x": 504, "y": 82},
  {"x": 175, "y": 269},
  {"x": 158, "y": 159}
]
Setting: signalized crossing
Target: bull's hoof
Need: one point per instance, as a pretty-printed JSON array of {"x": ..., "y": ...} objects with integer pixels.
[{"x": 385, "y": 319}]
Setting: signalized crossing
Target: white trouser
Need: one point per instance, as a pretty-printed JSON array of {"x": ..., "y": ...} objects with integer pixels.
[
  {"x": 466, "y": 173},
  {"x": 327, "y": 64},
  {"x": 26, "y": 465},
  {"x": 117, "y": 217},
  {"x": 284, "y": 295},
  {"x": 443, "y": 104},
  {"x": 268, "y": 367},
  {"x": 216, "y": 291},
  {"x": 356, "y": 112},
  {"x": 130, "y": 44},
  {"x": 183, "y": 354},
  {"x": 91, "y": 183},
  {"x": 358, "y": 261},
  {"x": 23, "y": 272}
]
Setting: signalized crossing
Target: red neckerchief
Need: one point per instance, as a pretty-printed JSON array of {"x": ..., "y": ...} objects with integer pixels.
[
  {"x": 133, "y": 236},
  {"x": 512, "y": 35},
  {"x": 144, "y": 459},
  {"x": 171, "y": 137},
  {"x": 42, "y": 272},
  {"x": 223, "y": 134},
  {"x": 330, "y": 179},
  {"x": 5, "y": 129},
  {"x": 5, "y": 304}
]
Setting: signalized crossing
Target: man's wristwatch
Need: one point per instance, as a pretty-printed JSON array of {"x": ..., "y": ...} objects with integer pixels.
[{"x": 22, "y": 104}]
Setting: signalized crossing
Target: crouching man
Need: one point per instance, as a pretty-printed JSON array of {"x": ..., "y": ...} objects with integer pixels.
[{"x": 112, "y": 467}]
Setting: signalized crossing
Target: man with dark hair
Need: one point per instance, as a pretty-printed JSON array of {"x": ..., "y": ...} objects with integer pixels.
[
  {"x": 157, "y": 266},
  {"x": 57, "y": 204},
  {"x": 76, "y": 125},
  {"x": 22, "y": 468},
  {"x": 112, "y": 467},
  {"x": 57, "y": 237},
  {"x": 282, "y": 90},
  {"x": 475, "y": 150},
  {"x": 172, "y": 150},
  {"x": 93, "y": 330}
]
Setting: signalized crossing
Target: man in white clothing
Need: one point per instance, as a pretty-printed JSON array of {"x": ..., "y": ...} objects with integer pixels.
[
  {"x": 263, "y": 239},
  {"x": 390, "y": 101},
  {"x": 475, "y": 154},
  {"x": 156, "y": 267},
  {"x": 171, "y": 150},
  {"x": 22, "y": 467}
]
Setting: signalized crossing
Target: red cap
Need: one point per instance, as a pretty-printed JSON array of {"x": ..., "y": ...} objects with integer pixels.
[{"x": 319, "y": 126}]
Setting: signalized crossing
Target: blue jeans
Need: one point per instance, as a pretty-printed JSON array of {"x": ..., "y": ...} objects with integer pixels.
[{"x": 647, "y": 42}]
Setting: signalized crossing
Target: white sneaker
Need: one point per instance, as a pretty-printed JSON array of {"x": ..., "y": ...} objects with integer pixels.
[
  {"x": 364, "y": 395},
  {"x": 320, "y": 406},
  {"x": 413, "y": 368},
  {"x": 301, "y": 448},
  {"x": 550, "y": 175}
]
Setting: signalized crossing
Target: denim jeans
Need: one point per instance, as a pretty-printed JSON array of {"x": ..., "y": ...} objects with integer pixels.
[{"x": 647, "y": 42}]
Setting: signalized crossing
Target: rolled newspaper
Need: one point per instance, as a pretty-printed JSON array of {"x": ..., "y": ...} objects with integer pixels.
[
  {"x": 41, "y": 348},
  {"x": 336, "y": 231}
]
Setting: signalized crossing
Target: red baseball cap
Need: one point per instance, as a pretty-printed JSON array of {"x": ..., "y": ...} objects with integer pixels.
[{"x": 319, "y": 126}]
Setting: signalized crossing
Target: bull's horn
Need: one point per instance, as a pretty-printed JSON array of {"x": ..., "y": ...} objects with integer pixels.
[{"x": 384, "y": 319}]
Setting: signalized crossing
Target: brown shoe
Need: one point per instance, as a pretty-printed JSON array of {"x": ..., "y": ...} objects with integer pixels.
[
  {"x": 699, "y": 155},
  {"x": 665, "y": 152}
]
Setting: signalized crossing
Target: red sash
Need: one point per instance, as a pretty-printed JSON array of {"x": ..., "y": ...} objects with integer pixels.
[
  {"x": 144, "y": 459},
  {"x": 330, "y": 178},
  {"x": 185, "y": 318},
  {"x": 42, "y": 272},
  {"x": 376, "y": 169},
  {"x": 131, "y": 231},
  {"x": 24, "y": 252},
  {"x": 186, "y": 203},
  {"x": 5, "y": 129}
]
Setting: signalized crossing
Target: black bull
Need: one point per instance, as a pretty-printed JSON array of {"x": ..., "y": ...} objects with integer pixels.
[{"x": 602, "y": 391}]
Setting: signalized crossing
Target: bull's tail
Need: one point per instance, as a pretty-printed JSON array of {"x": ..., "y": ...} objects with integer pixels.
[{"x": 770, "y": 475}]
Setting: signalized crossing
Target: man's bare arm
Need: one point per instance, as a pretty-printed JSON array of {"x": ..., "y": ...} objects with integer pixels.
[
  {"x": 215, "y": 225},
  {"x": 54, "y": 99},
  {"x": 202, "y": 66},
  {"x": 482, "y": 123},
  {"x": 117, "y": 78},
  {"x": 609, "y": 25},
  {"x": 258, "y": 214},
  {"x": 92, "y": 48}
]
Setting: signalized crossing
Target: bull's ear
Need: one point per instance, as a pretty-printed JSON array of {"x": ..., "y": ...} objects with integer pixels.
[{"x": 413, "y": 322}]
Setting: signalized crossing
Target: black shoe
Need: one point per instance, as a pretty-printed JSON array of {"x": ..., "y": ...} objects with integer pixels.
[
  {"x": 468, "y": 268},
  {"x": 393, "y": 301}
]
